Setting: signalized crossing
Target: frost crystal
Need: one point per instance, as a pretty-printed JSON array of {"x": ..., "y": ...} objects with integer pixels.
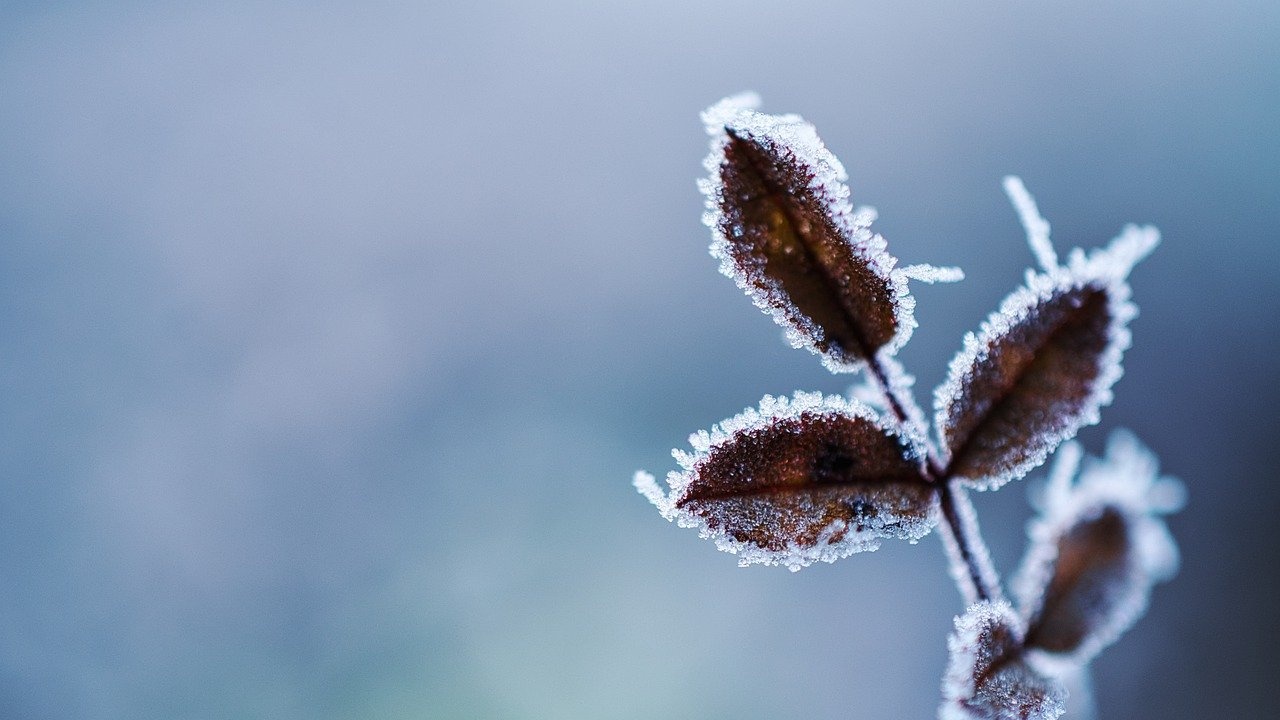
[
  {"x": 931, "y": 274},
  {"x": 784, "y": 230},
  {"x": 987, "y": 678},
  {"x": 1043, "y": 364},
  {"x": 1097, "y": 549},
  {"x": 1037, "y": 227},
  {"x": 797, "y": 481}
]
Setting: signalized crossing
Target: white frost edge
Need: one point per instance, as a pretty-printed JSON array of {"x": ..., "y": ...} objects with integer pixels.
[
  {"x": 1108, "y": 268},
  {"x": 1128, "y": 480},
  {"x": 794, "y": 557},
  {"x": 1079, "y": 684},
  {"x": 792, "y": 134},
  {"x": 967, "y": 653}
]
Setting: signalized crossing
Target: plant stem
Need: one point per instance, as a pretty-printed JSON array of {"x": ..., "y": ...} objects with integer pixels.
[
  {"x": 979, "y": 580},
  {"x": 896, "y": 404}
]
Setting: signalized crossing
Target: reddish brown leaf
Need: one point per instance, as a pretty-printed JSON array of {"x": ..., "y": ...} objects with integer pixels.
[
  {"x": 1041, "y": 366},
  {"x": 1093, "y": 564},
  {"x": 1096, "y": 551},
  {"x": 800, "y": 481},
  {"x": 1030, "y": 382},
  {"x": 988, "y": 678},
  {"x": 785, "y": 232}
]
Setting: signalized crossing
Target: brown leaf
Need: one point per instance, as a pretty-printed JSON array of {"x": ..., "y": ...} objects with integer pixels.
[
  {"x": 784, "y": 231},
  {"x": 810, "y": 479},
  {"x": 1041, "y": 366},
  {"x": 1097, "y": 550},
  {"x": 988, "y": 678},
  {"x": 1090, "y": 575}
]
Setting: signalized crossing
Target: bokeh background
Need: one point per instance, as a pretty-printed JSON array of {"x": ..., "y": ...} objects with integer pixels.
[{"x": 331, "y": 335}]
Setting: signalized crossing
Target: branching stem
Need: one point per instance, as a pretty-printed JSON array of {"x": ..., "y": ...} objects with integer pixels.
[{"x": 960, "y": 528}]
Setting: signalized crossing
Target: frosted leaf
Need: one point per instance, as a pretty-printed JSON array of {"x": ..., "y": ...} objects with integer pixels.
[
  {"x": 797, "y": 481},
  {"x": 1042, "y": 365},
  {"x": 783, "y": 229},
  {"x": 987, "y": 676},
  {"x": 1097, "y": 548}
]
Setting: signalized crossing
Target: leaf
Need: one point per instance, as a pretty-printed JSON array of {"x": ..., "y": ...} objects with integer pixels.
[
  {"x": 784, "y": 230},
  {"x": 799, "y": 481},
  {"x": 1093, "y": 575},
  {"x": 1097, "y": 550},
  {"x": 988, "y": 678},
  {"x": 1042, "y": 365}
]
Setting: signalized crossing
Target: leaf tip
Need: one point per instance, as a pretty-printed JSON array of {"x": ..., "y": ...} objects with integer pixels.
[
  {"x": 723, "y": 112},
  {"x": 1122, "y": 254}
]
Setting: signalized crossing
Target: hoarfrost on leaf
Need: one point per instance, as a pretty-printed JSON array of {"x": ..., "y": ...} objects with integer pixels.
[
  {"x": 797, "y": 481},
  {"x": 1098, "y": 547},
  {"x": 1043, "y": 364},
  {"x": 987, "y": 676},
  {"x": 784, "y": 230}
]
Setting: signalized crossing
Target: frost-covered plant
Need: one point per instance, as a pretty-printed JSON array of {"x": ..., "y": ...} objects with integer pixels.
[{"x": 816, "y": 477}]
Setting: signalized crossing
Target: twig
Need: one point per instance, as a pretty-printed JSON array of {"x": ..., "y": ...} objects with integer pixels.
[{"x": 963, "y": 539}]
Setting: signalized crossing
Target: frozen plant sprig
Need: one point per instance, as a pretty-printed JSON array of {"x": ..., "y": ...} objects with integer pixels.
[{"x": 817, "y": 478}]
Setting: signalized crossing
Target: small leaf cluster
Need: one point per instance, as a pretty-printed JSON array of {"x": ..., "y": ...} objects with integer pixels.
[
  {"x": 1098, "y": 546},
  {"x": 817, "y": 478}
]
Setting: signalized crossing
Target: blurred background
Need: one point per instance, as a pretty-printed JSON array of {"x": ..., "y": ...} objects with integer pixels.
[{"x": 332, "y": 335}]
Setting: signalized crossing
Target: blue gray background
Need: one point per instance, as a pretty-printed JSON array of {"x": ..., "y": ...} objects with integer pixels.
[{"x": 332, "y": 335}]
